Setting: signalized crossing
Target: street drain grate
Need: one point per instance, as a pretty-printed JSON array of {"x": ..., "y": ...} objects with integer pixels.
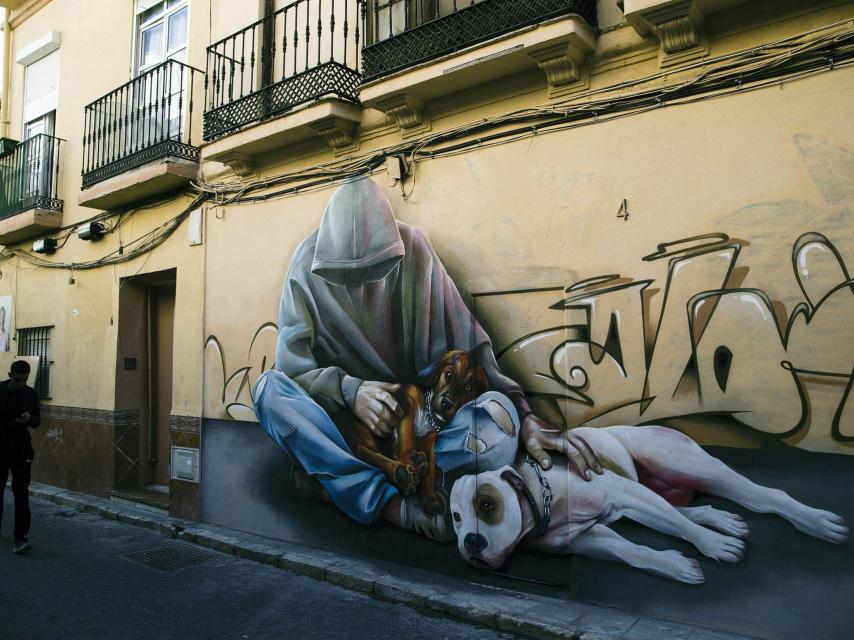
[{"x": 170, "y": 557}]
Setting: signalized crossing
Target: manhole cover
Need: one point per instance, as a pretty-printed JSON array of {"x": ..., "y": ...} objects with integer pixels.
[
  {"x": 170, "y": 557},
  {"x": 65, "y": 514}
]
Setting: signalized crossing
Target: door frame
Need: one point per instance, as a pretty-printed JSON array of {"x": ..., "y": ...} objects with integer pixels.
[{"x": 133, "y": 394}]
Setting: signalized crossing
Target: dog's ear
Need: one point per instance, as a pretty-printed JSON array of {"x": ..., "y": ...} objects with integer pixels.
[
  {"x": 481, "y": 382},
  {"x": 426, "y": 378},
  {"x": 509, "y": 475},
  {"x": 429, "y": 375}
]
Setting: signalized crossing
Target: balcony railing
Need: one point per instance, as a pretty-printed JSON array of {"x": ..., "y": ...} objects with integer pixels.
[
  {"x": 307, "y": 50},
  {"x": 29, "y": 176},
  {"x": 146, "y": 119},
  {"x": 404, "y": 33}
]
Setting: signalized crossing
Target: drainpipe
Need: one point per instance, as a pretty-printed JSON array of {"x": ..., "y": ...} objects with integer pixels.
[
  {"x": 7, "y": 65},
  {"x": 149, "y": 356}
]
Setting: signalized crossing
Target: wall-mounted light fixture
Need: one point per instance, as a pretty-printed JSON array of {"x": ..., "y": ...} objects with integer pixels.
[
  {"x": 90, "y": 231},
  {"x": 45, "y": 245}
]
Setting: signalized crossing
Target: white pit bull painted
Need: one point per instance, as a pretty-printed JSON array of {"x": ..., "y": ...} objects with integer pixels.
[{"x": 556, "y": 511}]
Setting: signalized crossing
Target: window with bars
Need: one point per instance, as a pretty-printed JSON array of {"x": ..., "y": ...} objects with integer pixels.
[{"x": 35, "y": 341}]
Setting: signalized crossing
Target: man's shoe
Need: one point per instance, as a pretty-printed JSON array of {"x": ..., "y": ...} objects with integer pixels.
[{"x": 22, "y": 546}]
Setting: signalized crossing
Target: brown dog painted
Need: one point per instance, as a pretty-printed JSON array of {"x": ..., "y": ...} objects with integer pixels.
[{"x": 407, "y": 456}]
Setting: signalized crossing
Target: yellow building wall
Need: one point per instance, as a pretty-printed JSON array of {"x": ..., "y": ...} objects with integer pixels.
[
  {"x": 533, "y": 213},
  {"x": 759, "y": 167},
  {"x": 84, "y": 315}
]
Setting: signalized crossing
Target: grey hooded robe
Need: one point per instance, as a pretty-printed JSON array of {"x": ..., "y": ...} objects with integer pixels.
[{"x": 367, "y": 298}]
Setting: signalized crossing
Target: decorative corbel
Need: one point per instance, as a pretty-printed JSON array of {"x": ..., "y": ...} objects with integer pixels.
[
  {"x": 337, "y": 132},
  {"x": 241, "y": 164},
  {"x": 563, "y": 62},
  {"x": 676, "y": 23},
  {"x": 407, "y": 112}
]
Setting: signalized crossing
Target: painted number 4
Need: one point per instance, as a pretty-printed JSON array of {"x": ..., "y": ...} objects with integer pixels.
[{"x": 623, "y": 211}]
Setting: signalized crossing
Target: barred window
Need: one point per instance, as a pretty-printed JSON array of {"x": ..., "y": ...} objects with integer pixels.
[{"x": 35, "y": 341}]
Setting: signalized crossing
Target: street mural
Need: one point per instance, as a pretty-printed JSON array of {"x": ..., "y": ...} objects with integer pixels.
[
  {"x": 714, "y": 350},
  {"x": 651, "y": 477},
  {"x": 385, "y": 392}
]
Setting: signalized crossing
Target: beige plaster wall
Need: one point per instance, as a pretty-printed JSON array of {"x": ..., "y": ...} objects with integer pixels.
[
  {"x": 84, "y": 315},
  {"x": 540, "y": 212},
  {"x": 759, "y": 167}
]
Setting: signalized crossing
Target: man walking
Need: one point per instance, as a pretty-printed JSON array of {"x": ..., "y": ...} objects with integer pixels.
[{"x": 19, "y": 411}]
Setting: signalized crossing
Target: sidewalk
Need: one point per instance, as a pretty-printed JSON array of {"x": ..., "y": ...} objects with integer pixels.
[{"x": 503, "y": 609}]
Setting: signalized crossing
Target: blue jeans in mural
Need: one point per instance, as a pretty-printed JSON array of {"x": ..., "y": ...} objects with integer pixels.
[{"x": 472, "y": 442}]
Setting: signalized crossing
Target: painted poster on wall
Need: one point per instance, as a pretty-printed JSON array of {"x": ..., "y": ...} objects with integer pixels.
[{"x": 5, "y": 322}]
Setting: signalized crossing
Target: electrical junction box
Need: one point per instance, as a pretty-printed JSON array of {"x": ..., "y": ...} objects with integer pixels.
[
  {"x": 196, "y": 227},
  {"x": 185, "y": 464}
]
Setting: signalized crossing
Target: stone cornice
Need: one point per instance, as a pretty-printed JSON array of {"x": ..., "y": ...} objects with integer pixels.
[{"x": 26, "y": 11}]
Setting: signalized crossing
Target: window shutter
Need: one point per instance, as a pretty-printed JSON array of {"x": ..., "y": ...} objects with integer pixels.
[
  {"x": 41, "y": 90},
  {"x": 145, "y": 5}
]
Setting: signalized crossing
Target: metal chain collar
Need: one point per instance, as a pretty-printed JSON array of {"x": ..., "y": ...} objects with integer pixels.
[
  {"x": 548, "y": 494},
  {"x": 431, "y": 418}
]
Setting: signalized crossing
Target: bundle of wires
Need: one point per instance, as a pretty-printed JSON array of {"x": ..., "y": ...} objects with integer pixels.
[
  {"x": 806, "y": 54},
  {"x": 779, "y": 62},
  {"x": 124, "y": 253}
]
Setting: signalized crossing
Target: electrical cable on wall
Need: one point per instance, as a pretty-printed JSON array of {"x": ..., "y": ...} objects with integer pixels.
[
  {"x": 125, "y": 252},
  {"x": 775, "y": 63}
]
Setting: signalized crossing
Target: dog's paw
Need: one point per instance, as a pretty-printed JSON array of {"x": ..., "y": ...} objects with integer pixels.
[
  {"x": 723, "y": 521},
  {"x": 679, "y": 567},
  {"x": 824, "y": 525},
  {"x": 719, "y": 547},
  {"x": 419, "y": 460},
  {"x": 406, "y": 479}
]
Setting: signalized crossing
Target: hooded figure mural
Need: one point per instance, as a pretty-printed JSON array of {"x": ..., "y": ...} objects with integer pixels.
[
  {"x": 367, "y": 298},
  {"x": 367, "y": 303}
]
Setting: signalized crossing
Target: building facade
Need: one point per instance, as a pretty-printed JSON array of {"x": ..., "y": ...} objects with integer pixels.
[{"x": 646, "y": 204}]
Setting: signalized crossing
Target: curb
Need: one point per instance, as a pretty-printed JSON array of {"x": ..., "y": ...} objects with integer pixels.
[{"x": 499, "y": 608}]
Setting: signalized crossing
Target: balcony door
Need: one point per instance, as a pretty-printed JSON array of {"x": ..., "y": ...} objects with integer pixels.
[
  {"x": 161, "y": 35},
  {"x": 162, "y": 29},
  {"x": 38, "y": 157},
  {"x": 389, "y": 18}
]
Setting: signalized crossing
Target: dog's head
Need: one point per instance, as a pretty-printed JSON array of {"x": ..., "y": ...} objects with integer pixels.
[
  {"x": 454, "y": 379},
  {"x": 487, "y": 516}
]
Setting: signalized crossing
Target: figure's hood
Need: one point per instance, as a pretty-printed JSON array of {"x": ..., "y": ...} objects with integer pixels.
[{"x": 358, "y": 241}]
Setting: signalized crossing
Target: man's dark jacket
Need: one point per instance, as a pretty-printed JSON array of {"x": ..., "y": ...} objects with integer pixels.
[{"x": 15, "y": 443}]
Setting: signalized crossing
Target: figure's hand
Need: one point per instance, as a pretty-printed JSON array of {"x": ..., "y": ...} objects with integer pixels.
[
  {"x": 24, "y": 418},
  {"x": 377, "y": 408},
  {"x": 538, "y": 435}
]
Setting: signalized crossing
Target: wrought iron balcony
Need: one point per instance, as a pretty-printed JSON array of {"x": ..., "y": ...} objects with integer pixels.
[
  {"x": 404, "y": 33},
  {"x": 307, "y": 50},
  {"x": 144, "y": 120},
  {"x": 29, "y": 176}
]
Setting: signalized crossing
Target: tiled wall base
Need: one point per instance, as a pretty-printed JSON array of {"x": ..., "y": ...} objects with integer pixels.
[
  {"x": 185, "y": 498},
  {"x": 88, "y": 450},
  {"x": 95, "y": 451}
]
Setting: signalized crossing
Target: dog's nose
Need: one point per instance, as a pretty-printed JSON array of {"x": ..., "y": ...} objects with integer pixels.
[
  {"x": 446, "y": 402},
  {"x": 475, "y": 542}
]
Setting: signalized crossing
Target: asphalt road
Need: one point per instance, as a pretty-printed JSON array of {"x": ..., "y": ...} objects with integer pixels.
[{"x": 77, "y": 584}]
